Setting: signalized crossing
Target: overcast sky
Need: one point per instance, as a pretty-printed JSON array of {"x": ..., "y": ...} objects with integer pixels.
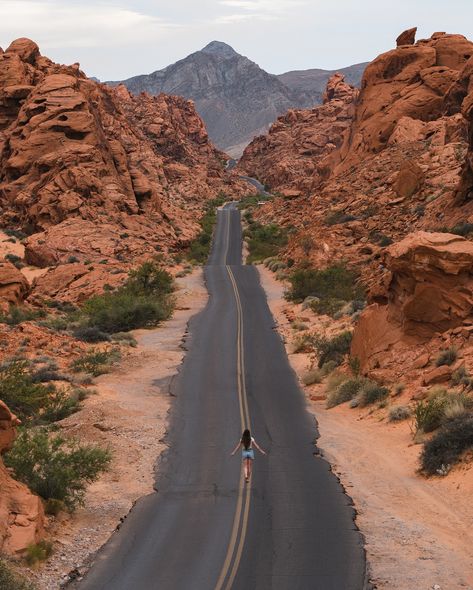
[{"x": 115, "y": 39}]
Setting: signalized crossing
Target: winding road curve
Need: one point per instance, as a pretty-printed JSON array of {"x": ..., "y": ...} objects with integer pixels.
[{"x": 291, "y": 527}]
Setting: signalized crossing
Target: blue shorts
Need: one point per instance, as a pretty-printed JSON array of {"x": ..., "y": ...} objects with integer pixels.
[{"x": 248, "y": 454}]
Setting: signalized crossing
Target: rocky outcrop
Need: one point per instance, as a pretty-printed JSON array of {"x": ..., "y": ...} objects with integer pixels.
[
  {"x": 13, "y": 285},
  {"x": 407, "y": 37},
  {"x": 21, "y": 512},
  {"x": 91, "y": 172},
  {"x": 428, "y": 290},
  {"x": 300, "y": 149},
  {"x": 410, "y": 81}
]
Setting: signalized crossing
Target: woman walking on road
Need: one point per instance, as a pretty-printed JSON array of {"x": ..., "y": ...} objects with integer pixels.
[{"x": 246, "y": 443}]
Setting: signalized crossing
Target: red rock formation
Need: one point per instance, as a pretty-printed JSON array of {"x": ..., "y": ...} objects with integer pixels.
[
  {"x": 407, "y": 37},
  {"x": 429, "y": 290},
  {"x": 21, "y": 512},
  {"x": 300, "y": 149},
  {"x": 73, "y": 149},
  {"x": 13, "y": 285}
]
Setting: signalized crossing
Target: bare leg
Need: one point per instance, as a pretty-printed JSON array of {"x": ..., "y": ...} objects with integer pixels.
[
  {"x": 247, "y": 465},
  {"x": 250, "y": 465}
]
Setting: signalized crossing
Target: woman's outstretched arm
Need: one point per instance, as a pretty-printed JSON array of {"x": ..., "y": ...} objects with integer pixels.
[
  {"x": 236, "y": 448},
  {"x": 259, "y": 448}
]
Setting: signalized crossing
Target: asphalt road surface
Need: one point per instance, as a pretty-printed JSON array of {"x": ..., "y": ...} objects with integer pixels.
[{"x": 291, "y": 527}]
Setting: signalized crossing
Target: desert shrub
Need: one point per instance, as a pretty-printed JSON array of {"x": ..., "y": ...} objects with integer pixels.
[
  {"x": 90, "y": 334},
  {"x": 345, "y": 392},
  {"x": 150, "y": 279},
  {"x": 54, "y": 467},
  {"x": 15, "y": 233},
  {"x": 72, "y": 259},
  {"x": 123, "y": 311},
  {"x": 311, "y": 377},
  {"x": 336, "y": 283},
  {"x": 462, "y": 377},
  {"x": 372, "y": 392},
  {"x": 335, "y": 379},
  {"x": 17, "y": 315},
  {"x": 447, "y": 446},
  {"x": 330, "y": 307},
  {"x": 61, "y": 403},
  {"x": 303, "y": 343},
  {"x": 124, "y": 337},
  {"x": 24, "y": 397},
  {"x": 15, "y": 260},
  {"x": 264, "y": 241},
  {"x": 447, "y": 357},
  {"x": 398, "y": 413},
  {"x": 464, "y": 228},
  {"x": 338, "y": 216},
  {"x": 37, "y": 552},
  {"x": 355, "y": 365},
  {"x": 9, "y": 580},
  {"x": 333, "y": 349},
  {"x": 55, "y": 323},
  {"x": 429, "y": 413},
  {"x": 328, "y": 367},
  {"x": 46, "y": 374},
  {"x": 95, "y": 362}
]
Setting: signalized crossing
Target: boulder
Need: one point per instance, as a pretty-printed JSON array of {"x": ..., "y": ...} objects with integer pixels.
[
  {"x": 13, "y": 285},
  {"x": 430, "y": 291},
  {"x": 407, "y": 37},
  {"x": 409, "y": 180}
]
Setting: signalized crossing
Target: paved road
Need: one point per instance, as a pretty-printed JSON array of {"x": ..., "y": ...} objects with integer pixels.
[{"x": 292, "y": 527}]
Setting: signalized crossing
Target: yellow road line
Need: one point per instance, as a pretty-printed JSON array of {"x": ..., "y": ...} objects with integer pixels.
[{"x": 240, "y": 521}]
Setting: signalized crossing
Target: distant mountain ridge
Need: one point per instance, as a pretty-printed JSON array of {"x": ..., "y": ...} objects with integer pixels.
[{"x": 234, "y": 96}]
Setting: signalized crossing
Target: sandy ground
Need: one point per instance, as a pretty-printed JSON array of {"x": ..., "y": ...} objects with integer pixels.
[
  {"x": 418, "y": 531},
  {"x": 129, "y": 416}
]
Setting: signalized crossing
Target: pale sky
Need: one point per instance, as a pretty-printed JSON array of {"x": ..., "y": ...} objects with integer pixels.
[{"x": 116, "y": 39}]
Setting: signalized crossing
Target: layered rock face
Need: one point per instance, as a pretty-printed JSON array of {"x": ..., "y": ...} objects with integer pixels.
[
  {"x": 74, "y": 149},
  {"x": 13, "y": 285},
  {"x": 21, "y": 512},
  {"x": 301, "y": 148}
]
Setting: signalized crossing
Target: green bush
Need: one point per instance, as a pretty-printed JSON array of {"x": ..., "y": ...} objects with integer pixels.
[
  {"x": 447, "y": 357},
  {"x": 90, "y": 334},
  {"x": 371, "y": 392},
  {"x": 15, "y": 260},
  {"x": 328, "y": 367},
  {"x": 38, "y": 552},
  {"x": 17, "y": 315},
  {"x": 123, "y": 311},
  {"x": 336, "y": 283},
  {"x": 264, "y": 241},
  {"x": 61, "y": 404},
  {"x": 150, "y": 279},
  {"x": 54, "y": 467},
  {"x": 303, "y": 343},
  {"x": 429, "y": 413},
  {"x": 447, "y": 446},
  {"x": 346, "y": 391},
  {"x": 330, "y": 307},
  {"x": 333, "y": 349},
  {"x": 9, "y": 580},
  {"x": 95, "y": 362},
  {"x": 24, "y": 397}
]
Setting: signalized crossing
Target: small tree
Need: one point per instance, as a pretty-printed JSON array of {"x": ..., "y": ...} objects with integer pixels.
[{"x": 56, "y": 468}]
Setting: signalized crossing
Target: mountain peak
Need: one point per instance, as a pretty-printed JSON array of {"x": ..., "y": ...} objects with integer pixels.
[{"x": 220, "y": 49}]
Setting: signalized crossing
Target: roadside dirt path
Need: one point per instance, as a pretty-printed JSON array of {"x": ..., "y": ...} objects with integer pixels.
[{"x": 418, "y": 531}]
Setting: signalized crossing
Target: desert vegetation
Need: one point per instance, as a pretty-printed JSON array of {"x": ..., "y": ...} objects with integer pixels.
[{"x": 199, "y": 249}]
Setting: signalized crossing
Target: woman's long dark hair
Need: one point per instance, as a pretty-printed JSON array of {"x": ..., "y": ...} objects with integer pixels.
[{"x": 246, "y": 438}]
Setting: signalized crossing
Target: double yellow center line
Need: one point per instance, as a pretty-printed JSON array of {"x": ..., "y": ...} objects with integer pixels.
[{"x": 240, "y": 520}]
